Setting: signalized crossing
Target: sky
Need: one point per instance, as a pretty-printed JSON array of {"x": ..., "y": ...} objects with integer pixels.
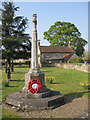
[{"x": 50, "y": 12}]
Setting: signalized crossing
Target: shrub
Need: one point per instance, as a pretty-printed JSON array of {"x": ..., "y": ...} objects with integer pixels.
[
  {"x": 85, "y": 85},
  {"x": 49, "y": 80},
  {"x": 27, "y": 62},
  {"x": 76, "y": 60}
]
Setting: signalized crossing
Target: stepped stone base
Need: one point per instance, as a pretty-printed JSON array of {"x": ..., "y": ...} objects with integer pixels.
[
  {"x": 25, "y": 100},
  {"x": 20, "y": 100},
  {"x": 39, "y": 95}
]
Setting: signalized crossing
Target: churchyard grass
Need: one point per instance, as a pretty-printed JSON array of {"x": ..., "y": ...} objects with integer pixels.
[
  {"x": 7, "y": 115},
  {"x": 67, "y": 81}
]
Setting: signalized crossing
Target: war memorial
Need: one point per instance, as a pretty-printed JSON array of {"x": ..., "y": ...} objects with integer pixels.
[{"x": 35, "y": 95}]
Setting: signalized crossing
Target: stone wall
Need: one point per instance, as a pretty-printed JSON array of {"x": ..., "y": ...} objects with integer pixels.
[
  {"x": 83, "y": 67},
  {"x": 21, "y": 60}
]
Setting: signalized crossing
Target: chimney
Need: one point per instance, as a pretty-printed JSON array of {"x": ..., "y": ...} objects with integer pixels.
[
  {"x": 69, "y": 44},
  {"x": 38, "y": 43}
]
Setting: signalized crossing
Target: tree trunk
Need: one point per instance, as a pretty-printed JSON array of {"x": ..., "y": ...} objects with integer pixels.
[
  {"x": 9, "y": 62},
  {"x": 8, "y": 73},
  {"x": 8, "y": 68},
  {"x": 12, "y": 66},
  {"x": 6, "y": 64}
]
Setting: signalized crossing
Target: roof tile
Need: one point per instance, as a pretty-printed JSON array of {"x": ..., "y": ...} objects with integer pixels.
[
  {"x": 62, "y": 49},
  {"x": 68, "y": 56}
]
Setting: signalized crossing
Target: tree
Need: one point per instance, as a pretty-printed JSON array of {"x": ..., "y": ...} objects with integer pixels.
[
  {"x": 14, "y": 37},
  {"x": 61, "y": 33},
  {"x": 85, "y": 56},
  {"x": 79, "y": 48}
]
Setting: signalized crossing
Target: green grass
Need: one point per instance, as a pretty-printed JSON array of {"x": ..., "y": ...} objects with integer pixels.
[
  {"x": 17, "y": 80},
  {"x": 67, "y": 81},
  {"x": 6, "y": 114}
]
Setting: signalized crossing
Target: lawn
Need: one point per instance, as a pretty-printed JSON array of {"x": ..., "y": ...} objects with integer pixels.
[{"x": 67, "y": 81}]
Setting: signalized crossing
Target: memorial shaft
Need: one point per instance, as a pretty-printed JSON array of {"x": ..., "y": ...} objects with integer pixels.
[{"x": 34, "y": 56}]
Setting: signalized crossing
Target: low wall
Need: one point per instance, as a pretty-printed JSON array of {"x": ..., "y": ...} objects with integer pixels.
[
  {"x": 83, "y": 67},
  {"x": 21, "y": 60}
]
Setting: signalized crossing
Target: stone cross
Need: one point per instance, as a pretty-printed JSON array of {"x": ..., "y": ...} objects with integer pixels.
[
  {"x": 34, "y": 54},
  {"x": 34, "y": 72}
]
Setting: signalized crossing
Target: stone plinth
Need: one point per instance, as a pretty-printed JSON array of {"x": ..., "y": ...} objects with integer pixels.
[
  {"x": 45, "y": 92},
  {"x": 39, "y": 95},
  {"x": 29, "y": 76},
  {"x": 20, "y": 100}
]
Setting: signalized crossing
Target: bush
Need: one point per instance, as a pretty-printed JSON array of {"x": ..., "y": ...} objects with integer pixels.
[
  {"x": 76, "y": 60},
  {"x": 85, "y": 86},
  {"x": 27, "y": 62},
  {"x": 49, "y": 80}
]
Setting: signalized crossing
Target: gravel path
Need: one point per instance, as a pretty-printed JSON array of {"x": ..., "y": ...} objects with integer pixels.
[{"x": 74, "y": 108}]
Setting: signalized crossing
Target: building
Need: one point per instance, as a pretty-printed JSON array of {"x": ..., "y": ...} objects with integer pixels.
[{"x": 51, "y": 54}]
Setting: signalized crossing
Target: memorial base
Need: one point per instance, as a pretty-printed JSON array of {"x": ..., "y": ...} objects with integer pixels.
[
  {"x": 29, "y": 76},
  {"x": 20, "y": 100},
  {"x": 44, "y": 99}
]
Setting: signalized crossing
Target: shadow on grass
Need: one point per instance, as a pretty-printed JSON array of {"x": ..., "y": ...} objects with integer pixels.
[
  {"x": 71, "y": 96},
  {"x": 19, "y": 72},
  {"x": 20, "y": 66},
  {"x": 77, "y": 94},
  {"x": 45, "y": 71},
  {"x": 67, "y": 98},
  {"x": 58, "y": 83},
  {"x": 10, "y": 86},
  {"x": 13, "y": 86},
  {"x": 17, "y": 80}
]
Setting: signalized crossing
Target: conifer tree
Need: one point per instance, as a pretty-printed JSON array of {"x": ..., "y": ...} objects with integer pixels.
[
  {"x": 79, "y": 48},
  {"x": 14, "y": 37}
]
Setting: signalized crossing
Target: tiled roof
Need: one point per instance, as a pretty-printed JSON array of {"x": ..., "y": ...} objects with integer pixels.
[
  {"x": 55, "y": 49},
  {"x": 68, "y": 56}
]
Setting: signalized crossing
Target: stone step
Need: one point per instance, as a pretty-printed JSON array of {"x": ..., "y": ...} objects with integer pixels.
[{"x": 18, "y": 99}]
